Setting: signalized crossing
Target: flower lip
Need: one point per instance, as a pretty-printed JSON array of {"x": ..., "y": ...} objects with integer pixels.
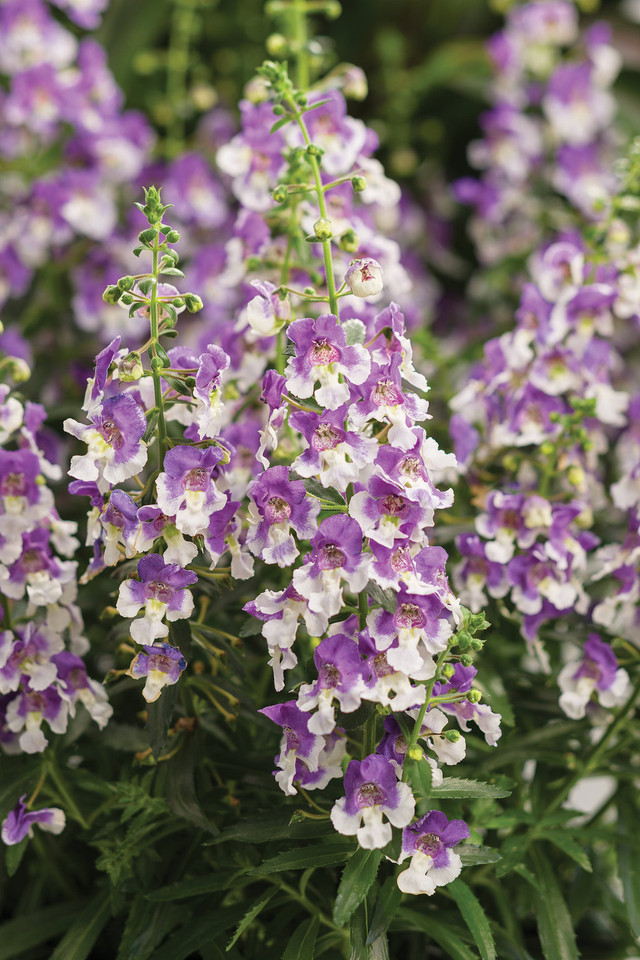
[
  {"x": 429, "y": 844},
  {"x": 331, "y": 557},
  {"x": 393, "y": 505},
  {"x": 409, "y": 616},
  {"x": 386, "y": 394},
  {"x": 370, "y": 794},
  {"x": 326, "y": 437}
]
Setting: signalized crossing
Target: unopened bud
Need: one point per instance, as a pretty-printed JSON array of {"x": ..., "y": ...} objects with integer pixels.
[
  {"x": 280, "y": 194},
  {"x": 127, "y": 299},
  {"x": 172, "y": 236},
  {"x": 474, "y": 695},
  {"x": 147, "y": 236},
  {"x": 130, "y": 367},
  {"x": 452, "y": 736},
  {"x": 359, "y": 184},
  {"x": 322, "y": 229},
  {"x": 354, "y": 84},
  {"x": 466, "y": 661},
  {"x": 448, "y": 670},
  {"x": 313, "y": 150},
  {"x": 277, "y": 46},
  {"x": 125, "y": 283},
  {"x": 156, "y": 364},
  {"x": 193, "y": 302},
  {"x": 349, "y": 241},
  {"x": 178, "y": 302},
  {"x": 415, "y": 752},
  {"x": 364, "y": 277},
  {"x": 18, "y": 369},
  {"x": 112, "y": 294}
]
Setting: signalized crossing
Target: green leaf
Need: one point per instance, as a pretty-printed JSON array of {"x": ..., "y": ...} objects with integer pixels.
[
  {"x": 328, "y": 494},
  {"x": 628, "y": 859},
  {"x": 313, "y": 855},
  {"x": 443, "y": 936},
  {"x": 302, "y": 944},
  {"x": 357, "y": 878},
  {"x": 25, "y": 779},
  {"x": 513, "y": 851},
  {"x": 314, "y": 106},
  {"x": 152, "y": 423},
  {"x": 14, "y": 854},
  {"x": 171, "y": 272},
  {"x": 474, "y": 917},
  {"x": 162, "y": 354},
  {"x": 554, "y": 921},
  {"x": 420, "y": 778},
  {"x": 81, "y": 938},
  {"x": 178, "y": 385},
  {"x": 250, "y": 628},
  {"x": 159, "y": 717},
  {"x": 249, "y": 916},
  {"x": 181, "y": 793},
  {"x": 455, "y": 787},
  {"x": 280, "y": 827},
  {"x": 198, "y": 887},
  {"x": 569, "y": 846},
  {"x": 280, "y": 123},
  {"x": 387, "y": 599},
  {"x": 147, "y": 924},
  {"x": 25, "y": 932},
  {"x": 386, "y": 907},
  {"x": 471, "y": 855},
  {"x": 358, "y": 935},
  {"x": 200, "y": 932}
]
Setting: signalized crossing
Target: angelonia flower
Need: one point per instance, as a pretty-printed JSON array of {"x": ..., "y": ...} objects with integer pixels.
[
  {"x": 19, "y": 822},
  {"x": 547, "y": 142}
]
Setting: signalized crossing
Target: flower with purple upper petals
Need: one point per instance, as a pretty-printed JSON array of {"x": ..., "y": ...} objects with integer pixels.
[
  {"x": 339, "y": 667},
  {"x": 27, "y": 711},
  {"x": 96, "y": 385},
  {"x": 162, "y": 592},
  {"x": 372, "y": 790},
  {"x": 153, "y": 523},
  {"x": 597, "y": 672},
  {"x": 364, "y": 277},
  {"x": 272, "y": 387},
  {"x": 298, "y": 743},
  {"x": 27, "y": 657},
  {"x": 385, "y": 684},
  {"x": 279, "y": 505},
  {"x": 386, "y": 515},
  {"x": 336, "y": 554},
  {"x": 186, "y": 489},
  {"x": 120, "y": 524},
  {"x": 161, "y": 664},
  {"x": 383, "y": 399},
  {"x": 429, "y": 842},
  {"x": 265, "y": 314},
  {"x": 75, "y": 686},
  {"x": 36, "y": 570},
  {"x": 322, "y": 355},
  {"x": 422, "y": 628},
  {"x": 116, "y": 448},
  {"x": 335, "y": 455},
  {"x": 207, "y": 391},
  {"x": 19, "y": 822}
]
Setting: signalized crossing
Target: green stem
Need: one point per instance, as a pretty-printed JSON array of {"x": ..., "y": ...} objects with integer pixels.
[
  {"x": 157, "y": 376},
  {"x": 182, "y": 24},
  {"x": 417, "y": 727},
  {"x": 301, "y": 39},
  {"x": 61, "y": 787}
]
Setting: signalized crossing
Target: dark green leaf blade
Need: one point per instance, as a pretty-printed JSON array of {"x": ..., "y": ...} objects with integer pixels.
[
  {"x": 357, "y": 878},
  {"x": 442, "y": 935},
  {"x": 159, "y": 717},
  {"x": 302, "y": 944},
  {"x": 25, "y": 932},
  {"x": 474, "y": 917},
  {"x": 250, "y": 916},
  {"x": 81, "y": 937},
  {"x": 460, "y": 789},
  {"x": 313, "y": 855},
  {"x": 628, "y": 858},
  {"x": 554, "y": 921}
]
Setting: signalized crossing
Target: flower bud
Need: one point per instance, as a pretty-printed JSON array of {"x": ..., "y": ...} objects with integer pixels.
[
  {"x": 448, "y": 670},
  {"x": 474, "y": 695},
  {"x": 125, "y": 283},
  {"x": 466, "y": 661},
  {"x": 193, "y": 302},
  {"x": 127, "y": 299},
  {"x": 18, "y": 369},
  {"x": 415, "y": 752},
  {"x": 280, "y": 194},
  {"x": 277, "y": 46},
  {"x": 130, "y": 367},
  {"x": 112, "y": 294},
  {"x": 313, "y": 150},
  {"x": 178, "y": 302},
  {"x": 322, "y": 229},
  {"x": 172, "y": 236},
  {"x": 359, "y": 184},
  {"x": 452, "y": 736},
  {"x": 156, "y": 364},
  {"x": 354, "y": 84},
  {"x": 349, "y": 241},
  {"x": 364, "y": 277}
]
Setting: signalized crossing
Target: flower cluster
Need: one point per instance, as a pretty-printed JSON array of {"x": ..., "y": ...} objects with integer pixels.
[
  {"x": 548, "y": 132},
  {"x": 43, "y": 678}
]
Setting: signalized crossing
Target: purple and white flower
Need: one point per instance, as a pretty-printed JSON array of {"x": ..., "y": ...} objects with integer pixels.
[
  {"x": 186, "y": 489},
  {"x": 322, "y": 355},
  {"x": 161, "y": 664},
  {"x": 19, "y": 822},
  {"x": 162, "y": 591},
  {"x": 372, "y": 790},
  {"x": 429, "y": 842}
]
